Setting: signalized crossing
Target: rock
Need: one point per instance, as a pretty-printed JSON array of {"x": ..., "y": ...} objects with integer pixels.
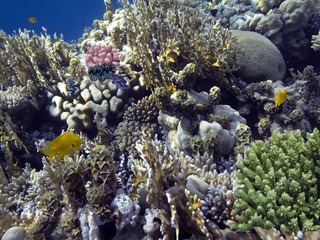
[
  {"x": 262, "y": 59},
  {"x": 226, "y": 140},
  {"x": 233, "y": 116},
  {"x": 197, "y": 186},
  {"x": 14, "y": 233}
]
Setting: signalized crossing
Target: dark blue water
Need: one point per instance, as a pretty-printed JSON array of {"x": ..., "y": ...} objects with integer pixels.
[{"x": 68, "y": 17}]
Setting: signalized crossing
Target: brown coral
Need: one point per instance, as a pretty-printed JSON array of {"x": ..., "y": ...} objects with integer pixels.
[{"x": 166, "y": 39}]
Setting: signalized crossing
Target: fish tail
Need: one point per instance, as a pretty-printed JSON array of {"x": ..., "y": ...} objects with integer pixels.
[{"x": 49, "y": 152}]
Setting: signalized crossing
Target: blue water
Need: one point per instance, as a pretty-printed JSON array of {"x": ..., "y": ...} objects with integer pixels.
[{"x": 68, "y": 17}]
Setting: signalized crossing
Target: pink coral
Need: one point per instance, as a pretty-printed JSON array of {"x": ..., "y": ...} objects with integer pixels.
[{"x": 99, "y": 54}]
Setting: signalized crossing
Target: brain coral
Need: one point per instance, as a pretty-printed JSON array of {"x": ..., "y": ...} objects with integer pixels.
[{"x": 262, "y": 59}]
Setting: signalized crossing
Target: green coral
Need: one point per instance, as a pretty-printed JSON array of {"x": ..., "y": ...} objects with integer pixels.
[{"x": 280, "y": 184}]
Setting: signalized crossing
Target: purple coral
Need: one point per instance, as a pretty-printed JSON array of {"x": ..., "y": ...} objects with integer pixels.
[{"x": 100, "y": 54}]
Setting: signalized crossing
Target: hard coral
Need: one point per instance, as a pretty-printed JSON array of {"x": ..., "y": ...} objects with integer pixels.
[
  {"x": 98, "y": 55},
  {"x": 164, "y": 40},
  {"x": 280, "y": 188}
]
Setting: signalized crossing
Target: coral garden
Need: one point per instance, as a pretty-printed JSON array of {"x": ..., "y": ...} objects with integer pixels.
[{"x": 195, "y": 120}]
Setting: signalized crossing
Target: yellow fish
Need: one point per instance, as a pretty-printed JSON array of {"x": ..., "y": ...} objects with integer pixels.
[
  {"x": 62, "y": 145},
  {"x": 32, "y": 19},
  {"x": 280, "y": 98}
]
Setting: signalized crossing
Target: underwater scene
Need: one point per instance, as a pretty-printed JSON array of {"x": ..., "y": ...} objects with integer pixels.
[{"x": 163, "y": 119}]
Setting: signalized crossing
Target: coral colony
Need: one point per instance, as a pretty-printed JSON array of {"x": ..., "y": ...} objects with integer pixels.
[
  {"x": 168, "y": 119},
  {"x": 98, "y": 55}
]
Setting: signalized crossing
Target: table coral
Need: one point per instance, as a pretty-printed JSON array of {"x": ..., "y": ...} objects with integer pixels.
[{"x": 279, "y": 184}]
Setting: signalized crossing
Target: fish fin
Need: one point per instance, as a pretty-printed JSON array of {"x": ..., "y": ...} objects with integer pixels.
[
  {"x": 62, "y": 153},
  {"x": 49, "y": 152}
]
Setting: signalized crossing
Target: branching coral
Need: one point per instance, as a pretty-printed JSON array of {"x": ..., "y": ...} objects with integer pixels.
[
  {"x": 38, "y": 58},
  {"x": 160, "y": 175},
  {"x": 280, "y": 184},
  {"x": 63, "y": 192},
  {"x": 9, "y": 141},
  {"x": 166, "y": 36}
]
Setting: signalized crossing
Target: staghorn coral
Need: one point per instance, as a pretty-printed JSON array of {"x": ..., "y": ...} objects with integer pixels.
[
  {"x": 158, "y": 172},
  {"x": 165, "y": 40},
  {"x": 279, "y": 184},
  {"x": 14, "y": 99},
  {"x": 220, "y": 198}
]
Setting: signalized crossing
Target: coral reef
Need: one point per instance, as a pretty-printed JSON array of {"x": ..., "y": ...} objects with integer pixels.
[
  {"x": 57, "y": 193},
  {"x": 182, "y": 35},
  {"x": 139, "y": 118},
  {"x": 96, "y": 101},
  {"x": 37, "y": 58},
  {"x": 280, "y": 186},
  {"x": 190, "y": 135},
  {"x": 160, "y": 174},
  {"x": 298, "y": 111},
  {"x": 284, "y": 22},
  {"x": 181, "y": 130}
]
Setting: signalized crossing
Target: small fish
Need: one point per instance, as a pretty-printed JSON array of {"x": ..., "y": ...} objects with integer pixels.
[
  {"x": 62, "y": 145},
  {"x": 32, "y": 19},
  {"x": 280, "y": 98}
]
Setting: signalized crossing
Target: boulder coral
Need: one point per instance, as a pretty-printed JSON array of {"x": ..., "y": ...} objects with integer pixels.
[{"x": 262, "y": 59}]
